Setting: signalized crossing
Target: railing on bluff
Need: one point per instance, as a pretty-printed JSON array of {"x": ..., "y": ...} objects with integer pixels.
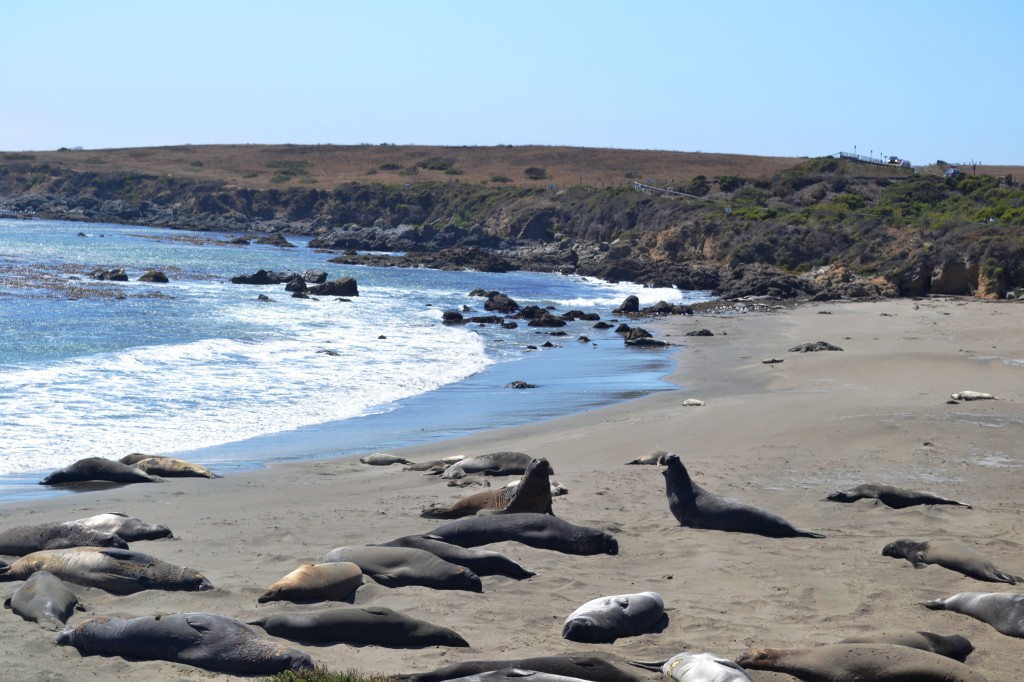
[
  {"x": 880, "y": 161},
  {"x": 661, "y": 191}
]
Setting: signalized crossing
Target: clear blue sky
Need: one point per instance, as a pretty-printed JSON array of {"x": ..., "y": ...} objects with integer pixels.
[{"x": 924, "y": 80}]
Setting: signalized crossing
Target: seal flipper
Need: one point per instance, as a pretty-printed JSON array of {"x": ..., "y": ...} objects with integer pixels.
[
  {"x": 654, "y": 666},
  {"x": 807, "y": 534}
]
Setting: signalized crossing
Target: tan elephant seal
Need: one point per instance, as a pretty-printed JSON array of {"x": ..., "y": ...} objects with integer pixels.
[
  {"x": 950, "y": 646},
  {"x": 381, "y": 459},
  {"x": 171, "y": 467},
  {"x": 655, "y": 457},
  {"x": 44, "y": 599},
  {"x": 330, "y": 581},
  {"x": 948, "y": 555},
  {"x": 366, "y": 625},
  {"x": 533, "y": 494},
  {"x": 848, "y": 662},
  {"x": 1002, "y": 610}
]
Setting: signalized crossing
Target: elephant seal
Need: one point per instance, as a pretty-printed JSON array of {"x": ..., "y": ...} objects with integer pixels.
[
  {"x": 333, "y": 581},
  {"x": 380, "y": 459},
  {"x": 23, "y": 540},
  {"x": 403, "y": 566},
  {"x": 118, "y": 571},
  {"x": 516, "y": 675},
  {"x": 656, "y": 457},
  {"x": 433, "y": 467},
  {"x": 875, "y": 662},
  {"x": 366, "y": 625},
  {"x": 695, "y": 507},
  {"x": 593, "y": 666},
  {"x": 533, "y": 494},
  {"x": 950, "y": 646},
  {"x": 706, "y": 667},
  {"x": 204, "y": 640},
  {"x": 128, "y": 528},
  {"x": 99, "y": 469},
  {"x": 1002, "y": 610},
  {"x": 948, "y": 555},
  {"x": 972, "y": 395},
  {"x": 542, "y": 531},
  {"x": 480, "y": 561},
  {"x": 891, "y": 496},
  {"x": 170, "y": 467},
  {"x": 606, "y": 619},
  {"x": 557, "y": 488},
  {"x": 493, "y": 464},
  {"x": 44, "y": 599}
]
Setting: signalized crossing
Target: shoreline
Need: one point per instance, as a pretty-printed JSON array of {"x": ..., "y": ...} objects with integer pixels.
[{"x": 780, "y": 436}]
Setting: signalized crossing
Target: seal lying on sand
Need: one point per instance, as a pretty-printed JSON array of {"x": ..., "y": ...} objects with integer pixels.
[
  {"x": 875, "y": 662},
  {"x": 128, "y": 528},
  {"x": 493, "y": 464},
  {"x": 706, "y": 667},
  {"x": 1002, "y": 610},
  {"x": 516, "y": 675},
  {"x": 403, "y": 566},
  {"x": 366, "y": 625},
  {"x": 891, "y": 496},
  {"x": 606, "y": 619},
  {"x": 951, "y": 646},
  {"x": 972, "y": 395},
  {"x": 542, "y": 531},
  {"x": 533, "y": 494},
  {"x": 205, "y": 640},
  {"x": 333, "y": 581},
  {"x": 381, "y": 459},
  {"x": 695, "y": 507},
  {"x": 170, "y": 467},
  {"x": 948, "y": 555},
  {"x": 99, "y": 469},
  {"x": 480, "y": 561},
  {"x": 593, "y": 666},
  {"x": 24, "y": 540},
  {"x": 44, "y": 599},
  {"x": 118, "y": 571},
  {"x": 656, "y": 457}
]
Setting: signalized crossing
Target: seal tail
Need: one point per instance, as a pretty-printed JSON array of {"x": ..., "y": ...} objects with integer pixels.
[
  {"x": 934, "y": 605},
  {"x": 439, "y": 513},
  {"x": 654, "y": 666},
  {"x": 808, "y": 534},
  {"x": 1007, "y": 578}
]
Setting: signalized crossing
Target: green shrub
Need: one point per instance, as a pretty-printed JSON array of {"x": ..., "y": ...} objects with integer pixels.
[
  {"x": 438, "y": 163},
  {"x": 535, "y": 173},
  {"x": 729, "y": 183},
  {"x": 390, "y": 166},
  {"x": 500, "y": 178},
  {"x": 454, "y": 171}
]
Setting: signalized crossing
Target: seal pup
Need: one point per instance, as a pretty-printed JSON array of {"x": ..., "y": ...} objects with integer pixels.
[
  {"x": 948, "y": 555},
  {"x": 595, "y": 666},
  {"x": 606, "y": 619},
  {"x": 950, "y": 646},
  {"x": 23, "y": 540},
  {"x": 118, "y": 571},
  {"x": 1002, "y": 610},
  {"x": 705, "y": 667},
  {"x": 972, "y": 395},
  {"x": 366, "y": 625},
  {"x": 128, "y": 528},
  {"x": 492, "y": 464},
  {"x": 404, "y": 566},
  {"x": 847, "y": 662},
  {"x": 533, "y": 494},
  {"x": 171, "y": 467},
  {"x": 480, "y": 561},
  {"x": 542, "y": 531},
  {"x": 44, "y": 599},
  {"x": 99, "y": 469},
  {"x": 891, "y": 496},
  {"x": 695, "y": 507},
  {"x": 380, "y": 459},
  {"x": 655, "y": 457},
  {"x": 331, "y": 581},
  {"x": 204, "y": 640}
]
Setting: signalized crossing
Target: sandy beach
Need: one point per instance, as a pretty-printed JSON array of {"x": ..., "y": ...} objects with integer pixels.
[{"x": 781, "y": 436}]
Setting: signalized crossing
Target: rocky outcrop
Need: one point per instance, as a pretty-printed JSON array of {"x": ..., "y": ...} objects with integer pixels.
[
  {"x": 155, "y": 276},
  {"x": 345, "y": 286}
]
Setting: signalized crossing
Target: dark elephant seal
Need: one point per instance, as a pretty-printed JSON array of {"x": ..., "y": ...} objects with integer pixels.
[
  {"x": 366, "y": 625},
  {"x": 606, "y": 619},
  {"x": 128, "y": 528},
  {"x": 403, "y": 566},
  {"x": 99, "y": 469},
  {"x": 1002, "y": 610},
  {"x": 533, "y": 494},
  {"x": 331, "y": 581},
  {"x": 480, "y": 561},
  {"x": 542, "y": 531},
  {"x": 381, "y": 459},
  {"x": 118, "y": 571},
  {"x": 695, "y": 507},
  {"x": 656, "y": 457},
  {"x": 690, "y": 667},
  {"x": 950, "y": 646},
  {"x": 492, "y": 464},
  {"x": 948, "y": 555},
  {"x": 44, "y": 599},
  {"x": 170, "y": 467},
  {"x": 593, "y": 666},
  {"x": 204, "y": 640},
  {"x": 847, "y": 662},
  {"x": 891, "y": 496},
  {"x": 24, "y": 540}
]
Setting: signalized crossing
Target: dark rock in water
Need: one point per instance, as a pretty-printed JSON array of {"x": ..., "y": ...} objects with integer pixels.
[
  {"x": 296, "y": 285},
  {"x": 638, "y": 336},
  {"x": 547, "y": 320},
  {"x": 452, "y": 317},
  {"x": 547, "y": 344},
  {"x": 509, "y": 325},
  {"x": 500, "y": 303},
  {"x": 239, "y": 241},
  {"x": 813, "y": 347},
  {"x": 666, "y": 308},
  {"x": 700, "y": 332},
  {"x": 263, "y": 277},
  {"x": 329, "y": 351},
  {"x": 262, "y": 297},
  {"x": 274, "y": 240},
  {"x": 486, "y": 319},
  {"x": 81, "y": 234},
  {"x": 623, "y": 328},
  {"x": 630, "y": 305},
  {"x": 300, "y": 294},
  {"x": 314, "y": 276},
  {"x": 520, "y": 384},
  {"x": 559, "y": 333},
  {"x": 574, "y": 315},
  {"x": 154, "y": 276},
  {"x": 584, "y": 339},
  {"x": 345, "y": 286},
  {"x": 115, "y": 275},
  {"x": 638, "y": 333},
  {"x": 602, "y": 325}
]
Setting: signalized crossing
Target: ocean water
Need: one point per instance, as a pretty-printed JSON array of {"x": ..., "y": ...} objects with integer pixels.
[{"x": 200, "y": 368}]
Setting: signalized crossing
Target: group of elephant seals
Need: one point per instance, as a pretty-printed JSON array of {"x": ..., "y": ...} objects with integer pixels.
[
  {"x": 333, "y": 581},
  {"x": 1002, "y": 610},
  {"x": 695, "y": 507},
  {"x": 690, "y": 667},
  {"x": 381, "y": 459},
  {"x": 533, "y": 494},
  {"x": 23, "y": 540},
  {"x": 99, "y": 469},
  {"x": 606, "y": 619},
  {"x": 596, "y": 667},
  {"x": 118, "y": 571},
  {"x": 128, "y": 528},
  {"x": 169, "y": 467},
  {"x": 891, "y": 496},
  {"x": 948, "y": 555},
  {"x": 480, "y": 561},
  {"x": 493, "y": 464},
  {"x": 366, "y": 625},
  {"x": 44, "y": 599},
  {"x": 403, "y": 566},
  {"x": 204, "y": 640},
  {"x": 655, "y": 457},
  {"x": 542, "y": 531},
  {"x": 950, "y": 646},
  {"x": 841, "y": 662}
]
